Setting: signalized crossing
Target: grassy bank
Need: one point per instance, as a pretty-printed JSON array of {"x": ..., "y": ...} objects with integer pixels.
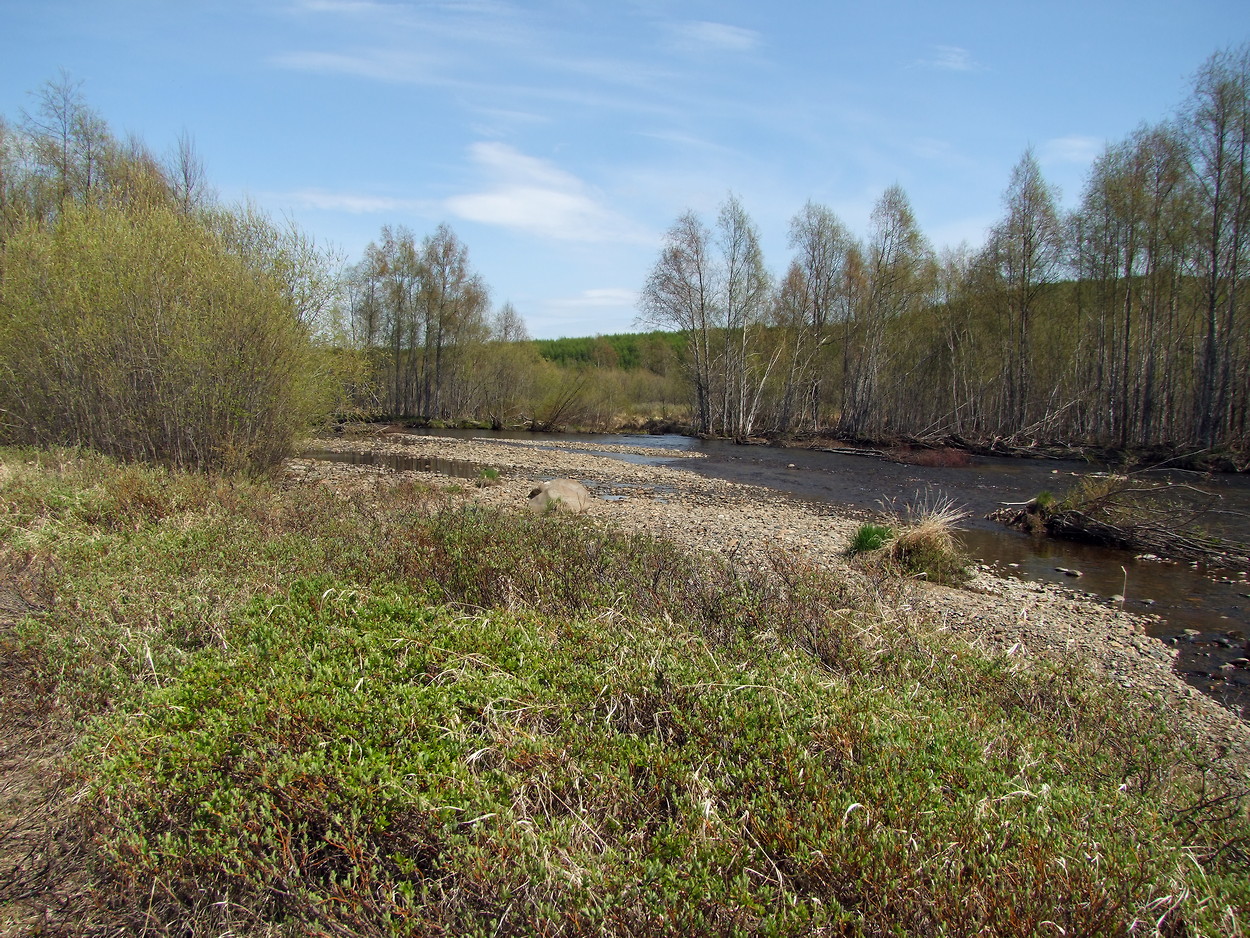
[{"x": 387, "y": 712}]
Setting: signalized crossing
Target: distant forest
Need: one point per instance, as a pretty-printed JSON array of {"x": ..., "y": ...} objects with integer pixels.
[{"x": 140, "y": 315}]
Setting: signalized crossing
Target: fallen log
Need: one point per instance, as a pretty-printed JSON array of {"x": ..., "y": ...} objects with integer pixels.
[{"x": 1110, "y": 518}]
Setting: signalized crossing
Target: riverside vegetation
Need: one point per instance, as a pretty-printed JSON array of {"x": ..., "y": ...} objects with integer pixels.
[
  {"x": 387, "y": 711},
  {"x": 230, "y": 705}
]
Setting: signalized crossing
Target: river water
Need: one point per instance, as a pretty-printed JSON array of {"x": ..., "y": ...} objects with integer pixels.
[{"x": 1204, "y": 611}]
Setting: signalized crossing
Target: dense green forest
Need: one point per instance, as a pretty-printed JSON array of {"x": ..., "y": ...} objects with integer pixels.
[{"x": 208, "y": 333}]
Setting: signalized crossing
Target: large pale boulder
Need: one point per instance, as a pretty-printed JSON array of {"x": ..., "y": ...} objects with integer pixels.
[{"x": 560, "y": 495}]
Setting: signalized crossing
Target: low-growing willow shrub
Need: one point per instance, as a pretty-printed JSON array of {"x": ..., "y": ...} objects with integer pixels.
[
  {"x": 386, "y": 713},
  {"x": 377, "y": 765}
]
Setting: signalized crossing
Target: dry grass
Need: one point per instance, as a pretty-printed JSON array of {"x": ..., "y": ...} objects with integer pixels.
[{"x": 918, "y": 540}]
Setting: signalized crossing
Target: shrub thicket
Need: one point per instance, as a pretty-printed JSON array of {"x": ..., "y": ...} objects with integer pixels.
[
  {"x": 133, "y": 331},
  {"x": 141, "y": 318}
]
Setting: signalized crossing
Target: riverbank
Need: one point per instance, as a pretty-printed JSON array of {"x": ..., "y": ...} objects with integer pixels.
[
  {"x": 1001, "y": 615},
  {"x": 353, "y": 700}
]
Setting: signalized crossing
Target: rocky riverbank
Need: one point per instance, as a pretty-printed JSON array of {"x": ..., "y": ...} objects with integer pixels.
[{"x": 1001, "y": 615}]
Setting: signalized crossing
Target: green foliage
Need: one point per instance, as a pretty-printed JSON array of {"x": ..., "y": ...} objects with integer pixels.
[
  {"x": 870, "y": 536},
  {"x": 654, "y": 351},
  {"x": 134, "y": 331},
  {"x": 375, "y": 764},
  {"x": 385, "y": 714}
]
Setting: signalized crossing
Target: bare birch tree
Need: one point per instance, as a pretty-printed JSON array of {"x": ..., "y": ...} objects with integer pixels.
[{"x": 680, "y": 295}]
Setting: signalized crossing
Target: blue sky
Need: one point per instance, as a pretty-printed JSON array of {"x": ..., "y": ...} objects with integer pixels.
[{"x": 561, "y": 138}]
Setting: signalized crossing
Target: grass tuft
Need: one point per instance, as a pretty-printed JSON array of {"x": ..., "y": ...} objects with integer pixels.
[
  {"x": 926, "y": 545},
  {"x": 918, "y": 542},
  {"x": 869, "y": 537}
]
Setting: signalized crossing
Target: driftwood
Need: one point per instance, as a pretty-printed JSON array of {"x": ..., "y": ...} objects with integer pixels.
[
  {"x": 1146, "y": 538},
  {"x": 876, "y": 453},
  {"x": 1159, "y": 519}
]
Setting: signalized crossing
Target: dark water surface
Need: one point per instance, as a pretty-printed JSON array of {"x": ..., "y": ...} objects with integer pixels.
[{"x": 1212, "y": 602}]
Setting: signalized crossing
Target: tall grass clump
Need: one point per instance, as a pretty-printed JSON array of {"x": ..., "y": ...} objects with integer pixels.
[
  {"x": 918, "y": 542},
  {"x": 926, "y": 545},
  {"x": 387, "y": 713}
]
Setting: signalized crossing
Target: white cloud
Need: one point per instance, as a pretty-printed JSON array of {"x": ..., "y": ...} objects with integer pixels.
[
  {"x": 1071, "y": 149},
  {"x": 700, "y": 36},
  {"x": 685, "y": 141},
  {"x": 349, "y": 7},
  {"x": 536, "y": 196},
  {"x": 951, "y": 59}
]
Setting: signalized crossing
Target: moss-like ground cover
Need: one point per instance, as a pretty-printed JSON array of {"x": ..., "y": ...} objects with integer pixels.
[{"x": 299, "y": 712}]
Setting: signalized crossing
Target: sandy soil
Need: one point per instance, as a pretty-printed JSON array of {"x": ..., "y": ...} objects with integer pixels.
[{"x": 1002, "y": 615}]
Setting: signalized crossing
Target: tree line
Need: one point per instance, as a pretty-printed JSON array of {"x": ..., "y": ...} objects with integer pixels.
[
  {"x": 435, "y": 350},
  {"x": 1123, "y": 322},
  {"x": 141, "y": 316}
]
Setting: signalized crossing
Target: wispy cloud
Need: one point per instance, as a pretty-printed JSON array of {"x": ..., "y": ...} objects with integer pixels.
[
  {"x": 704, "y": 36},
  {"x": 1071, "y": 149},
  {"x": 378, "y": 64},
  {"x": 348, "y": 7},
  {"x": 685, "y": 141},
  {"x": 528, "y": 194},
  {"x": 353, "y": 203},
  {"x": 950, "y": 59}
]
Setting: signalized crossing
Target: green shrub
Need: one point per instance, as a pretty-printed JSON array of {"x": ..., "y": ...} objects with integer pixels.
[
  {"x": 134, "y": 330},
  {"x": 387, "y": 714},
  {"x": 380, "y": 766}
]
